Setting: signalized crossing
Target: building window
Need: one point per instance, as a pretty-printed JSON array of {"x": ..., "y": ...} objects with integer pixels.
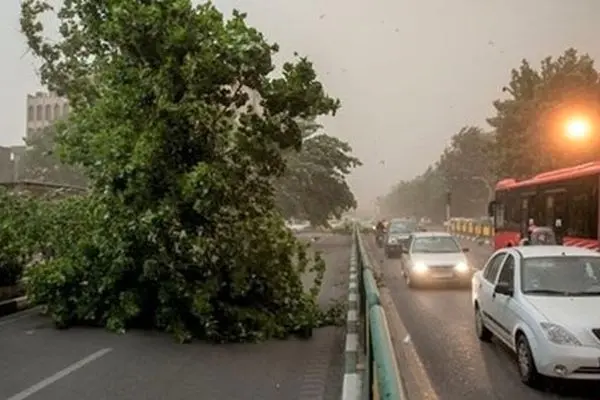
[
  {"x": 48, "y": 113},
  {"x": 30, "y": 113},
  {"x": 38, "y": 113},
  {"x": 56, "y": 111}
]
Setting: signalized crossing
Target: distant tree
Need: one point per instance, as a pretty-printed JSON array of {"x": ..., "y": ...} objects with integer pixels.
[
  {"x": 422, "y": 196},
  {"x": 41, "y": 162},
  {"x": 314, "y": 185},
  {"x": 530, "y": 125},
  {"x": 467, "y": 167}
]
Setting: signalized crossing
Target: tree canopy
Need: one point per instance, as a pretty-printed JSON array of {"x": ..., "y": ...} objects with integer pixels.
[
  {"x": 314, "y": 185},
  {"x": 463, "y": 170},
  {"x": 528, "y": 136},
  {"x": 182, "y": 127}
]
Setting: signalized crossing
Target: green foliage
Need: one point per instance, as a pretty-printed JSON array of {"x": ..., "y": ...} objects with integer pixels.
[
  {"x": 419, "y": 197},
  {"x": 530, "y": 125},
  {"x": 467, "y": 169},
  {"x": 182, "y": 130},
  {"x": 16, "y": 214},
  {"x": 314, "y": 185}
]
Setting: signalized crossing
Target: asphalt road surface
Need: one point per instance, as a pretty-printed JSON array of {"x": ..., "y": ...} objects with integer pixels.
[
  {"x": 440, "y": 324},
  {"x": 38, "y": 362}
]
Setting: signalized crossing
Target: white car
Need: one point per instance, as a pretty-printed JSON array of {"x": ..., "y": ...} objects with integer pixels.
[
  {"x": 434, "y": 257},
  {"x": 543, "y": 302}
]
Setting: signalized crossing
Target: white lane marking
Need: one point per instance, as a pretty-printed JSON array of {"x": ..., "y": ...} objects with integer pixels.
[
  {"x": 351, "y": 343},
  {"x": 351, "y": 388},
  {"x": 352, "y": 316},
  {"x": 59, "y": 375}
]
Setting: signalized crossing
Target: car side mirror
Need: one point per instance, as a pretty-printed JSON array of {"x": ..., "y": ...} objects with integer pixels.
[
  {"x": 503, "y": 288},
  {"x": 465, "y": 249}
]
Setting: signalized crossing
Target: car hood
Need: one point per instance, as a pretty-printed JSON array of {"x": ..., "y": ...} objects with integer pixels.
[
  {"x": 438, "y": 258},
  {"x": 569, "y": 311}
]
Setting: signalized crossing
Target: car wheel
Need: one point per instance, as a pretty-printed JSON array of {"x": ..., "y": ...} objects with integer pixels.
[
  {"x": 483, "y": 333},
  {"x": 525, "y": 363}
]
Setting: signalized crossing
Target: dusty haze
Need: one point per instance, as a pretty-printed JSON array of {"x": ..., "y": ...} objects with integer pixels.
[{"x": 409, "y": 73}]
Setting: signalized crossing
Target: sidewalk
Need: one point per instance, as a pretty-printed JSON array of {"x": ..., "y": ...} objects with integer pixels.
[{"x": 40, "y": 362}]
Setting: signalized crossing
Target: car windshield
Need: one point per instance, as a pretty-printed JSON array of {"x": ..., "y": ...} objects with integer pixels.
[
  {"x": 561, "y": 276},
  {"x": 435, "y": 244},
  {"x": 400, "y": 228}
]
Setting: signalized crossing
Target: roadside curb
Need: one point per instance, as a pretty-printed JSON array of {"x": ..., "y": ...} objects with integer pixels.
[
  {"x": 12, "y": 306},
  {"x": 352, "y": 383}
]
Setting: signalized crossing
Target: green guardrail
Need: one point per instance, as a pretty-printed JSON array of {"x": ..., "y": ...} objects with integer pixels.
[{"x": 382, "y": 378}]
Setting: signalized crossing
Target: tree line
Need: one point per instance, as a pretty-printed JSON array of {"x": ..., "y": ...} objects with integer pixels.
[
  {"x": 527, "y": 134},
  {"x": 193, "y": 151}
]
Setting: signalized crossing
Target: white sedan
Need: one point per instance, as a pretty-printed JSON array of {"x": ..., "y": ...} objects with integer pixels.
[
  {"x": 543, "y": 302},
  {"x": 434, "y": 257}
]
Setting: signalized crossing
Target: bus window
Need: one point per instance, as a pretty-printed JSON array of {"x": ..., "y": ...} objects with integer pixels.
[
  {"x": 583, "y": 210},
  {"x": 550, "y": 216},
  {"x": 512, "y": 211},
  {"x": 525, "y": 215},
  {"x": 499, "y": 215},
  {"x": 560, "y": 208}
]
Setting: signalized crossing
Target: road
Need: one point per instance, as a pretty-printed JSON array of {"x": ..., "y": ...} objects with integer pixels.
[
  {"x": 457, "y": 365},
  {"x": 39, "y": 362}
]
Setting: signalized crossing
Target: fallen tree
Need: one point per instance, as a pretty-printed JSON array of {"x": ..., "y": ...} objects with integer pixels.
[{"x": 180, "y": 230}]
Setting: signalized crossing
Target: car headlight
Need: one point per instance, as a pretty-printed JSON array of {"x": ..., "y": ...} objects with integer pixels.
[
  {"x": 461, "y": 267},
  {"x": 559, "y": 335},
  {"x": 420, "y": 267}
]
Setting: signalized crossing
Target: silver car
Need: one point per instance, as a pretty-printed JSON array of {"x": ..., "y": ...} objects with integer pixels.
[{"x": 435, "y": 257}]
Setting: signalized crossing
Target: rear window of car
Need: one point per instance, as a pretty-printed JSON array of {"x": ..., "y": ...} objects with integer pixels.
[{"x": 435, "y": 244}]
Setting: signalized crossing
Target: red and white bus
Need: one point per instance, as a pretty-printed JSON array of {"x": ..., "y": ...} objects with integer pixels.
[{"x": 567, "y": 195}]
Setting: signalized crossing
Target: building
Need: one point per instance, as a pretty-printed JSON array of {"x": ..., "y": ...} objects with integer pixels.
[{"x": 42, "y": 110}]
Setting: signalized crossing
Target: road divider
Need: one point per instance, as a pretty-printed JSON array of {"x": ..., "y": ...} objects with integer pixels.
[{"x": 381, "y": 377}]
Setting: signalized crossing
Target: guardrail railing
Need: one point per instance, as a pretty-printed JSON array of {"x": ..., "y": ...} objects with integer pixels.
[{"x": 382, "y": 379}]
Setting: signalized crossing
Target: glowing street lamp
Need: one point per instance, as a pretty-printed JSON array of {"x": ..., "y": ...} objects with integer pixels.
[{"x": 578, "y": 129}]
